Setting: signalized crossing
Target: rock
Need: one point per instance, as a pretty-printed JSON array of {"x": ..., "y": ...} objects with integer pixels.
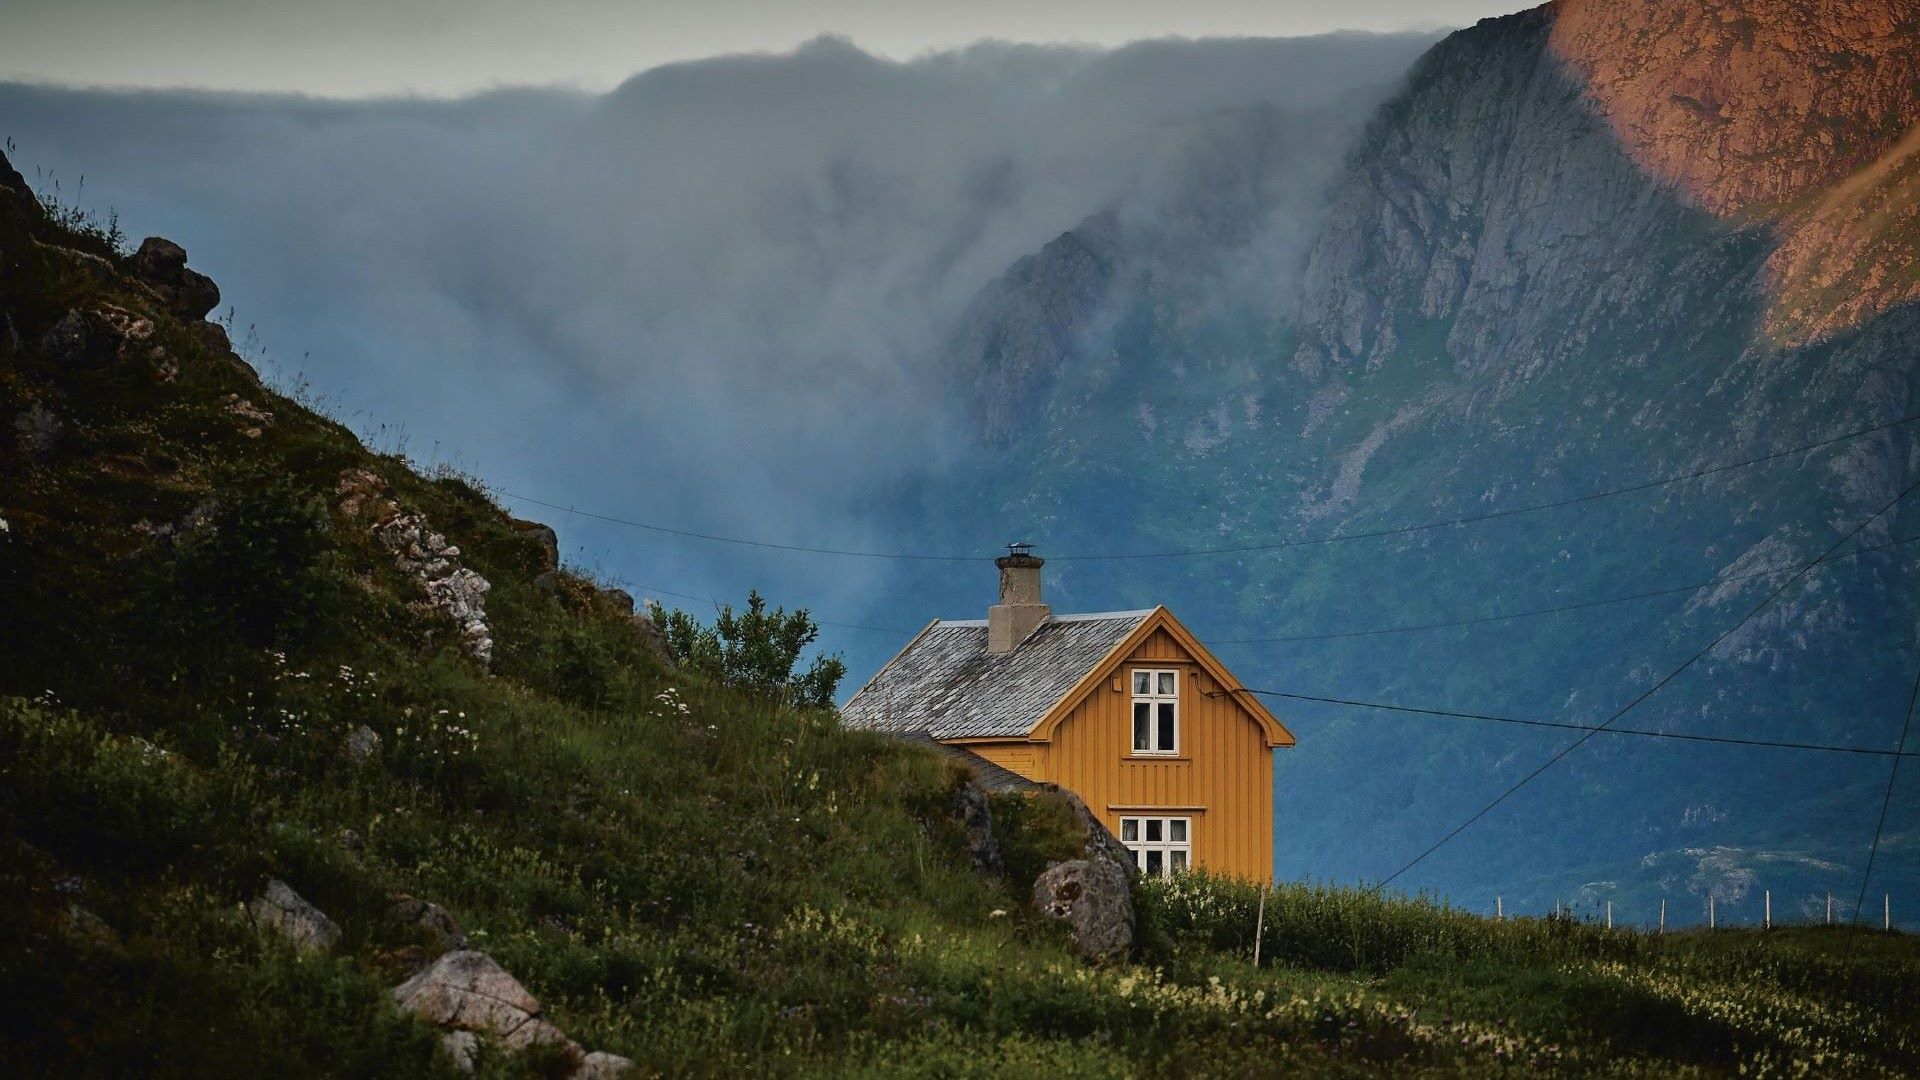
[
  {"x": 435, "y": 924},
  {"x": 976, "y": 817},
  {"x": 1095, "y": 898},
  {"x": 287, "y": 913},
  {"x": 162, "y": 264},
  {"x": 425, "y": 556},
  {"x": 601, "y": 1065},
  {"x": 620, "y": 599},
  {"x": 463, "y": 1047},
  {"x": 543, "y": 538},
  {"x": 547, "y": 583},
  {"x": 85, "y": 928},
  {"x": 95, "y": 337},
  {"x": 654, "y": 641},
  {"x": 361, "y": 744},
  {"x": 467, "y": 991}
]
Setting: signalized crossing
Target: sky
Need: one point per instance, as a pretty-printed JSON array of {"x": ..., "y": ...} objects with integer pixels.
[{"x": 357, "y": 48}]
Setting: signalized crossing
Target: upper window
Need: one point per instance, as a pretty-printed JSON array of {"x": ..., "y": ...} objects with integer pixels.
[{"x": 1156, "y": 711}]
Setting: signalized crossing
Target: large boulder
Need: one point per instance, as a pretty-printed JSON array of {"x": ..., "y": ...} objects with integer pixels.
[
  {"x": 470, "y": 998},
  {"x": 162, "y": 264},
  {"x": 1095, "y": 898},
  {"x": 544, "y": 540},
  {"x": 282, "y": 911},
  {"x": 466, "y": 991}
]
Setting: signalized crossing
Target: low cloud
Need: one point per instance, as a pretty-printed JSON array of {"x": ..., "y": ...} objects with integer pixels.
[{"x": 715, "y": 297}]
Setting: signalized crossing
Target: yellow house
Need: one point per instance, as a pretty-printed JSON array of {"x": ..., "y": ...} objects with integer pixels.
[{"x": 1126, "y": 709}]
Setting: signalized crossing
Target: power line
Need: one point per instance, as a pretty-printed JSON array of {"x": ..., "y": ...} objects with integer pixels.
[
  {"x": 1557, "y": 609},
  {"x": 1526, "y": 722},
  {"x": 1401, "y": 530},
  {"x": 716, "y": 602},
  {"x": 1647, "y": 693},
  {"x": 1881, "y": 826},
  {"x": 736, "y": 540}
]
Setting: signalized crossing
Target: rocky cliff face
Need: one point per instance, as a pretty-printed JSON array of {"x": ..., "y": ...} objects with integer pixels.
[
  {"x": 1801, "y": 114},
  {"x": 1585, "y": 245},
  {"x": 1745, "y": 102}
]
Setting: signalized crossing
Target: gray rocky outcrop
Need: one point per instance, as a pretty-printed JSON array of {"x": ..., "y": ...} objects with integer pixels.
[
  {"x": 473, "y": 1000},
  {"x": 162, "y": 265},
  {"x": 424, "y": 555},
  {"x": 1094, "y": 897},
  {"x": 281, "y": 911},
  {"x": 545, "y": 541},
  {"x": 96, "y": 337},
  {"x": 466, "y": 991}
]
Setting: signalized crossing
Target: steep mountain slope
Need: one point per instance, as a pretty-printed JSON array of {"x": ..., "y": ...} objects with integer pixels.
[{"x": 1540, "y": 276}]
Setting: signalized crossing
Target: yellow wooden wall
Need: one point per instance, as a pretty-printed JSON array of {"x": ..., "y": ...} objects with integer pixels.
[{"x": 1222, "y": 778}]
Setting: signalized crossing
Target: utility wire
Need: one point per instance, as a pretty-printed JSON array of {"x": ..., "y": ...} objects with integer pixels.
[
  {"x": 1526, "y": 722},
  {"x": 716, "y": 602},
  {"x": 740, "y": 541},
  {"x": 1557, "y": 609},
  {"x": 1881, "y": 826},
  {"x": 1648, "y": 692},
  {"x": 1400, "y": 530}
]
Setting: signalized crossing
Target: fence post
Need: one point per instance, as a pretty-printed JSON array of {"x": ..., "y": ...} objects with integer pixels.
[
  {"x": 1766, "y": 922},
  {"x": 1260, "y": 924},
  {"x": 1609, "y": 914},
  {"x": 1663, "y": 915},
  {"x": 1499, "y": 912},
  {"x": 1886, "y": 911},
  {"x": 1709, "y": 911},
  {"x": 1829, "y": 907}
]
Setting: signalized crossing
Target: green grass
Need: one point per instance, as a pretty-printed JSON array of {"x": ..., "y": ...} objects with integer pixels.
[{"x": 706, "y": 881}]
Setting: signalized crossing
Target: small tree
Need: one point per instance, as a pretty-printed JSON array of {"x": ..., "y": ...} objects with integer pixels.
[{"x": 755, "y": 650}]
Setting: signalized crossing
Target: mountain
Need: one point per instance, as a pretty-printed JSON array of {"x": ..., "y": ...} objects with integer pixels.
[{"x": 1585, "y": 247}]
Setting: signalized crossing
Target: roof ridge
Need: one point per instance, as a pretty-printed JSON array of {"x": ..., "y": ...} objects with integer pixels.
[{"x": 1080, "y": 616}]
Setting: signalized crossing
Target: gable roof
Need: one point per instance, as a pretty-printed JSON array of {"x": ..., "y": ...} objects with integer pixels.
[{"x": 945, "y": 683}]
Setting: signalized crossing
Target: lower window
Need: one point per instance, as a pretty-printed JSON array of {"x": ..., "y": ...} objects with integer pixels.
[{"x": 1161, "y": 846}]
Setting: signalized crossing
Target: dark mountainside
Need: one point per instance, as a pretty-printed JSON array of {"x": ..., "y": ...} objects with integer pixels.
[{"x": 1588, "y": 245}]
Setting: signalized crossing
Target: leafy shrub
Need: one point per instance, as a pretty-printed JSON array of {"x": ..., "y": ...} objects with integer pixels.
[{"x": 755, "y": 650}]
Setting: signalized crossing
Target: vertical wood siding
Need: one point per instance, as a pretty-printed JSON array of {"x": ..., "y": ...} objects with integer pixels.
[{"x": 1223, "y": 764}]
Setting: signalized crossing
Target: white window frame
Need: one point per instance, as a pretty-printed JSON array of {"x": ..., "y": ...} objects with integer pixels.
[
  {"x": 1154, "y": 699},
  {"x": 1155, "y": 851}
]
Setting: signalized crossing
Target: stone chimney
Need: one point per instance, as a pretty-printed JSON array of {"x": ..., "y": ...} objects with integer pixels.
[{"x": 1019, "y": 610}]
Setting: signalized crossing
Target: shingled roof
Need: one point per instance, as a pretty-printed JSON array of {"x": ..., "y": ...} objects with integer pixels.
[{"x": 946, "y": 684}]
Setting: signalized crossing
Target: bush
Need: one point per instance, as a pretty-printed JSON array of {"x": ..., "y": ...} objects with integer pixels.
[{"x": 755, "y": 650}]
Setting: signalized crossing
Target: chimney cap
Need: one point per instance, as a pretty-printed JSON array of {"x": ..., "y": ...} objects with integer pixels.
[{"x": 1020, "y": 554}]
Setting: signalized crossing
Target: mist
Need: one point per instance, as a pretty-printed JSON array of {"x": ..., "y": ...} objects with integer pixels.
[{"x": 717, "y": 297}]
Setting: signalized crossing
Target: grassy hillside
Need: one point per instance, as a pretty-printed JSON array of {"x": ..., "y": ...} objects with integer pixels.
[{"x": 198, "y": 619}]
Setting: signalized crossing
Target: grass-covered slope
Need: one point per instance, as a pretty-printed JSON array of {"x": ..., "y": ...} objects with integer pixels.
[{"x": 202, "y": 600}]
